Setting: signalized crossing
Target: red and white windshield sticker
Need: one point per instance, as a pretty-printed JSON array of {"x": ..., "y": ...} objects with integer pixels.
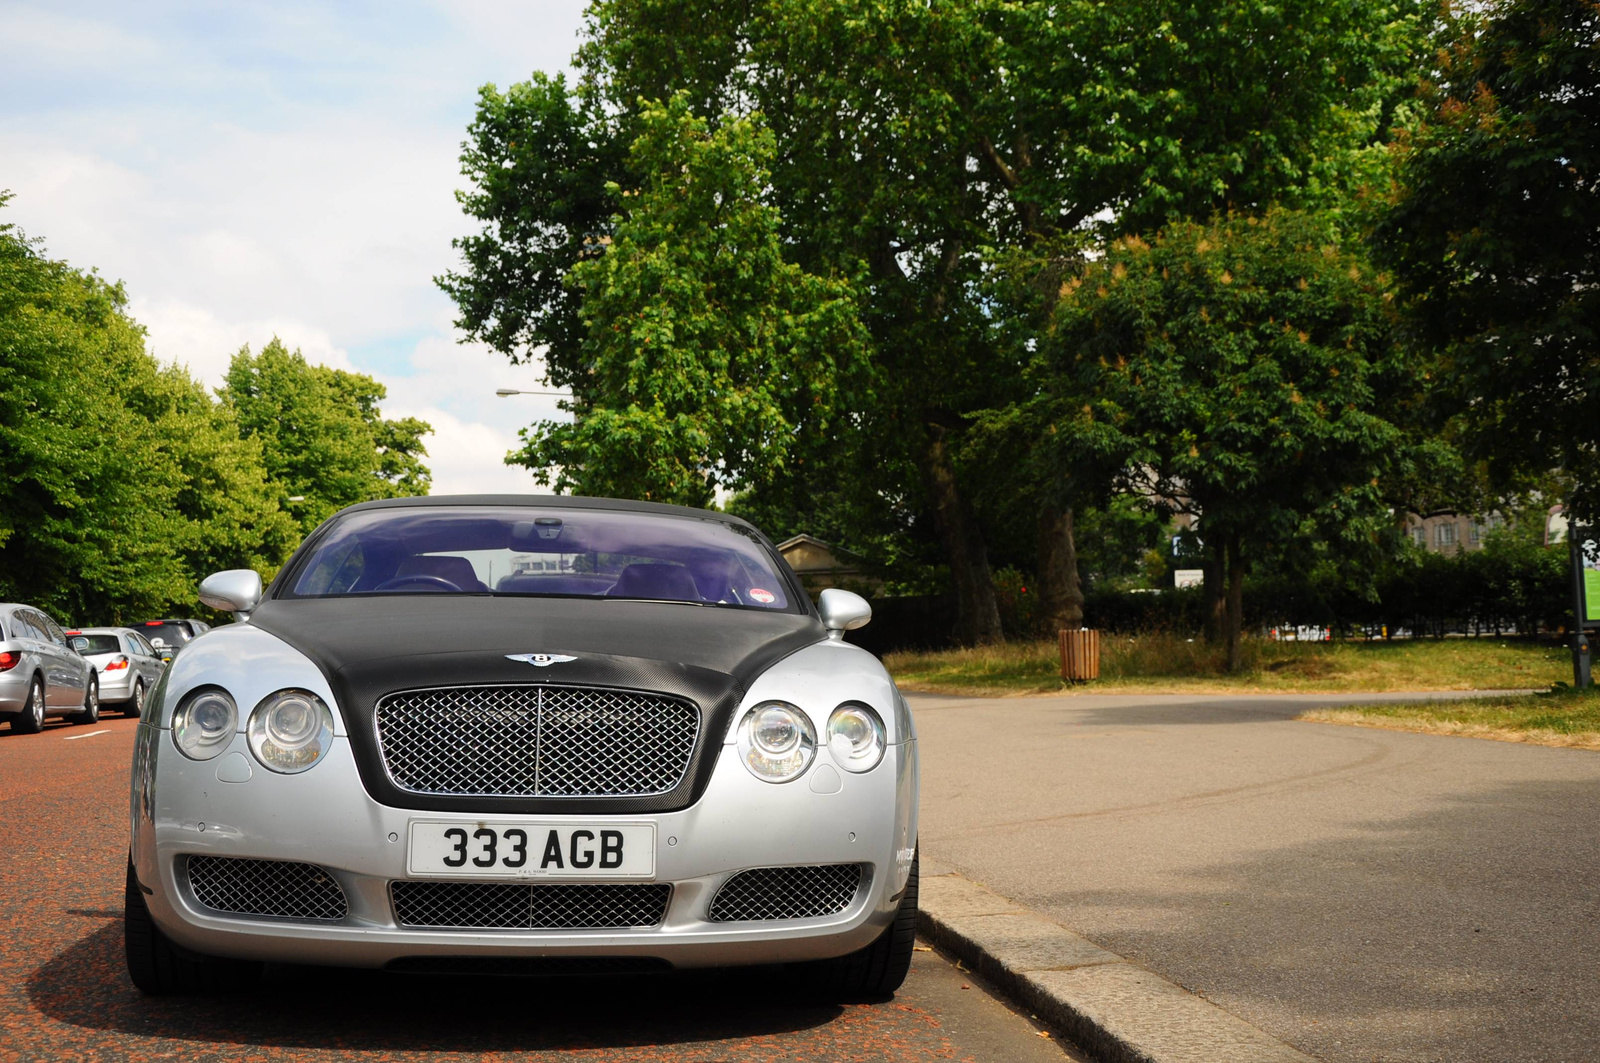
[{"x": 764, "y": 597}]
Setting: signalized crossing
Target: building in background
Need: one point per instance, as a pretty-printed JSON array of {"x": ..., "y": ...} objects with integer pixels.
[
  {"x": 1450, "y": 533},
  {"x": 821, "y": 566}
]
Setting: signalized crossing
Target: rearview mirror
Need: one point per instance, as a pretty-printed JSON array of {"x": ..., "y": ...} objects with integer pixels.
[
  {"x": 238, "y": 591},
  {"x": 842, "y": 611}
]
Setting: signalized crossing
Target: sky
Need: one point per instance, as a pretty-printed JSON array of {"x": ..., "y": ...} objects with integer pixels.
[{"x": 288, "y": 169}]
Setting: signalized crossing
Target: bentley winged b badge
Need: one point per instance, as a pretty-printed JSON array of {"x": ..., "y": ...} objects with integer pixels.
[{"x": 540, "y": 660}]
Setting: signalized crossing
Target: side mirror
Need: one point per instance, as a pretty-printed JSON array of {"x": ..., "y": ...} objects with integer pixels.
[
  {"x": 842, "y": 611},
  {"x": 237, "y": 591},
  {"x": 79, "y": 644}
]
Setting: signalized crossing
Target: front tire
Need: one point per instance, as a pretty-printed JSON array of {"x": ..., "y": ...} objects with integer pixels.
[
  {"x": 30, "y": 721},
  {"x": 160, "y": 968},
  {"x": 879, "y": 969},
  {"x": 91, "y": 703}
]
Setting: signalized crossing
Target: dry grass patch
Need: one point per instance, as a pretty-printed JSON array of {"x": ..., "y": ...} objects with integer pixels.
[
  {"x": 1563, "y": 717},
  {"x": 1154, "y": 663}
]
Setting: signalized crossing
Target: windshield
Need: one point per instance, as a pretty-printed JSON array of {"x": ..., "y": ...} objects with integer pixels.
[
  {"x": 90, "y": 644},
  {"x": 167, "y": 635},
  {"x": 541, "y": 552}
]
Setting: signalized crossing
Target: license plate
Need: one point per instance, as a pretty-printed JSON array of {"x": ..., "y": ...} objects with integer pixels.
[{"x": 532, "y": 850}]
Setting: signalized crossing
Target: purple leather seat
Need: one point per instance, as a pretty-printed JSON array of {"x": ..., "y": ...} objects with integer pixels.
[{"x": 667, "y": 582}]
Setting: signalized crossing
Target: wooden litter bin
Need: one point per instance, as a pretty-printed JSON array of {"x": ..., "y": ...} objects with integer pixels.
[{"x": 1080, "y": 655}]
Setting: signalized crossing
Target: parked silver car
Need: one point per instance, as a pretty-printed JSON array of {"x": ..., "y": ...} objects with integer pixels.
[
  {"x": 128, "y": 666},
  {"x": 525, "y": 733},
  {"x": 40, "y": 675}
]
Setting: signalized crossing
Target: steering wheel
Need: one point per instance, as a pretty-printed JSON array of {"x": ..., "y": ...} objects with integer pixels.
[{"x": 400, "y": 581}]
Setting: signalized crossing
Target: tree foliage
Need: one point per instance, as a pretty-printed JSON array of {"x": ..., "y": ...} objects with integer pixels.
[
  {"x": 711, "y": 360},
  {"x": 1495, "y": 235},
  {"x": 538, "y": 159},
  {"x": 126, "y": 483},
  {"x": 915, "y": 141},
  {"x": 321, "y": 434},
  {"x": 1236, "y": 370}
]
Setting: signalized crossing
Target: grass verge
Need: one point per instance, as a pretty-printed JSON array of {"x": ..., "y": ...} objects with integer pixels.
[
  {"x": 1156, "y": 663},
  {"x": 1561, "y": 717}
]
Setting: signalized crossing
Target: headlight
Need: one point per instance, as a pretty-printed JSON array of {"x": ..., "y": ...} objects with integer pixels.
[
  {"x": 777, "y": 741},
  {"x": 290, "y": 730},
  {"x": 204, "y": 724},
  {"x": 855, "y": 737}
]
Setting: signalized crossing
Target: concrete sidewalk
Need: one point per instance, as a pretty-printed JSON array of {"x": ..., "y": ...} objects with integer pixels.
[{"x": 1357, "y": 894}]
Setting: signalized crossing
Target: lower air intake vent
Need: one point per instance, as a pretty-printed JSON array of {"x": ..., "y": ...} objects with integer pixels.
[
  {"x": 787, "y": 893},
  {"x": 527, "y": 965},
  {"x": 265, "y": 887},
  {"x": 513, "y": 906}
]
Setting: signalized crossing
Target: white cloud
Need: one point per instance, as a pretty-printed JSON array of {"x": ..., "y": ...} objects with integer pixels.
[
  {"x": 193, "y": 336},
  {"x": 466, "y": 453},
  {"x": 285, "y": 169},
  {"x": 469, "y": 459}
]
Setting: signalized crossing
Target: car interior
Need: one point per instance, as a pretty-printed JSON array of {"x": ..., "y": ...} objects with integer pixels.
[{"x": 608, "y": 555}]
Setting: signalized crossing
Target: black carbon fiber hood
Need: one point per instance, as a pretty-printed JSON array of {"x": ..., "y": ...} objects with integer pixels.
[{"x": 375, "y": 645}]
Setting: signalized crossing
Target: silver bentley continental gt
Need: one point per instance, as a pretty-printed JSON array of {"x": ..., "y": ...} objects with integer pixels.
[{"x": 525, "y": 735}]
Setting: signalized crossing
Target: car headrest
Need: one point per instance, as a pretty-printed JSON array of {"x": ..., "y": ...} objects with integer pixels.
[
  {"x": 457, "y": 570},
  {"x": 669, "y": 582}
]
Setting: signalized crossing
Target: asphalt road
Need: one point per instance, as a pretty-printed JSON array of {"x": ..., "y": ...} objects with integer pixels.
[
  {"x": 1360, "y": 894},
  {"x": 64, "y": 993}
]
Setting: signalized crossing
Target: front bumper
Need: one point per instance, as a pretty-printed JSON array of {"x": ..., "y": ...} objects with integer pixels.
[{"x": 325, "y": 817}]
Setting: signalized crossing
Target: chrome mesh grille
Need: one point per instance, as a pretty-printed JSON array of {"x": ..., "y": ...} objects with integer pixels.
[
  {"x": 786, "y": 893},
  {"x": 265, "y": 887},
  {"x": 543, "y": 906},
  {"x": 536, "y": 741}
]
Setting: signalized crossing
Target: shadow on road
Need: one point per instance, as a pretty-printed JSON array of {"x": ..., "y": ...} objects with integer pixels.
[{"x": 86, "y": 985}]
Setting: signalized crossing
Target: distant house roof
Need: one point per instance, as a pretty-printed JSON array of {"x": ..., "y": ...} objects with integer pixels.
[{"x": 810, "y": 556}]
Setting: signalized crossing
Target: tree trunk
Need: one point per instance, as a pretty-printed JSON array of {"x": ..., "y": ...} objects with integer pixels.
[
  {"x": 977, "y": 612},
  {"x": 1216, "y": 593},
  {"x": 1235, "y": 620},
  {"x": 1060, "y": 592}
]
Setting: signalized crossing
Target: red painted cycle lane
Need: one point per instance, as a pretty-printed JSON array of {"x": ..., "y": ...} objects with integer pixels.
[{"x": 64, "y": 993}]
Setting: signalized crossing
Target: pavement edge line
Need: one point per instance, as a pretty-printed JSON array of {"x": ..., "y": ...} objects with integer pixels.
[{"x": 1115, "y": 1010}]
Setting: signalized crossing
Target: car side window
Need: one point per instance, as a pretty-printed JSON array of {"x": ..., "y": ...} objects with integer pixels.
[
  {"x": 29, "y": 627},
  {"x": 57, "y": 636}
]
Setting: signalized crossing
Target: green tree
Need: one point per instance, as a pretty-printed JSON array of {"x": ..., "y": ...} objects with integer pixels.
[
  {"x": 914, "y": 139},
  {"x": 126, "y": 483},
  {"x": 321, "y": 434},
  {"x": 538, "y": 159},
  {"x": 232, "y": 513},
  {"x": 1494, "y": 231},
  {"x": 1239, "y": 369},
  {"x": 712, "y": 361}
]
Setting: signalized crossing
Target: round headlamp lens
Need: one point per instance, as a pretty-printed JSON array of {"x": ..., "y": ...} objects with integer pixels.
[
  {"x": 290, "y": 731},
  {"x": 204, "y": 724},
  {"x": 856, "y": 737},
  {"x": 777, "y": 741}
]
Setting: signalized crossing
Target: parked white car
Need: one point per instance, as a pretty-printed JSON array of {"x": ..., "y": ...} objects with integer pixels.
[
  {"x": 525, "y": 734},
  {"x": 128, "y": 666}
]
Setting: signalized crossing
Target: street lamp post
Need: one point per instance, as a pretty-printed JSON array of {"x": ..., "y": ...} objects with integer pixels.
[{"x": 504, "y": 392}]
